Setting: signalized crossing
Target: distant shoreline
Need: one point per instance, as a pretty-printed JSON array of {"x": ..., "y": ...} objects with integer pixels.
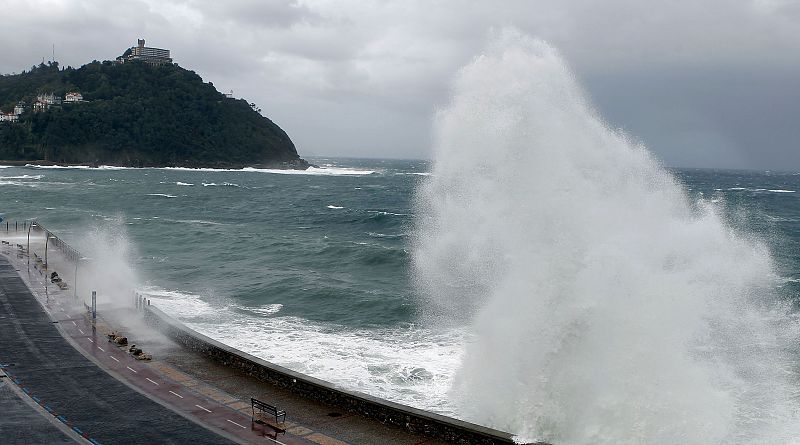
[{"x": 297, "y": 164}]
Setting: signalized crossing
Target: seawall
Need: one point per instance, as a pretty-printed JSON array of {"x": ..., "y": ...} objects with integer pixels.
[{"x": 408, "y": 418}]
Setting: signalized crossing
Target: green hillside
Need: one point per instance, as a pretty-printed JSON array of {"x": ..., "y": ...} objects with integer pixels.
[{"x": 136, "y": 114}]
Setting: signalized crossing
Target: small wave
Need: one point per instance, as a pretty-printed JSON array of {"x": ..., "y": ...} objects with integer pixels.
[
  {"x": 782, "y": 191},
  {"x": 197, "y": 222},
  {"x": 57, "y": 167},
  {"x": 163, "y": 195},
  {"x": 22, "y": 177},
  {"x": 384, "y": 213},
  {"x": 224, "y": 184},
  {"x": 176, "y": 302},
  {"x": 319, "y": 171},
  {"x": 184, "y": 183},
  {"x": 385, "y": 235},
  {"x": 78, "y": 167},
  {"x": 267, "y": 309},
  {"x": 335, "y": 207}
]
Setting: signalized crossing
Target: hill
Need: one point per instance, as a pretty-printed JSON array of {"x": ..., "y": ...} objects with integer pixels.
[{"x": 135, "y": 114}]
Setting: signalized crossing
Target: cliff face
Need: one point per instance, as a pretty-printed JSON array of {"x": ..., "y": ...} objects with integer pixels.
[{"x": 135, "y": 114}]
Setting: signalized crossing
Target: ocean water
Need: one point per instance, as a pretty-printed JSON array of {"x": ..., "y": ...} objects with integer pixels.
[{"x": 312, "y": 271}]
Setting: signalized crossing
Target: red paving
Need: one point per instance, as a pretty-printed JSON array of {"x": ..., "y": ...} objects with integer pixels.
[{"x": 115, "y": 359}]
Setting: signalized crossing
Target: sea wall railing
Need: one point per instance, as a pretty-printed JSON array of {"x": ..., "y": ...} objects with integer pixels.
[{"x": 51, "y": 240}]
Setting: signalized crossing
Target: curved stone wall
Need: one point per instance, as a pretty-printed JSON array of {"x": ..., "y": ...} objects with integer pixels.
[{"x": 411, "y": 419}]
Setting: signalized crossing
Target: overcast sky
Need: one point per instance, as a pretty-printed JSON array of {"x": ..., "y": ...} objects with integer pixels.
[{"x": 703, "y": 83}]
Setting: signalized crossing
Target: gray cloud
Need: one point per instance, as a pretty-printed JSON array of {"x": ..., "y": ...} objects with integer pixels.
[{"x": 709, "y": 83}]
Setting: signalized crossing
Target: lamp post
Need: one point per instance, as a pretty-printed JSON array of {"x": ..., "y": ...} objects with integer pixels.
[
  {"x": 33, "y": 223},
  {"x": 47, "y": 240}
]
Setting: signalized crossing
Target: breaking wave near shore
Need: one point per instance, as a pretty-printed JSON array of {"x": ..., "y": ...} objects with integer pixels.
[{"x": 607, "y": 305}]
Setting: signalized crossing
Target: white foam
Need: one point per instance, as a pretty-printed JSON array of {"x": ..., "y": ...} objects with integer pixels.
[
  {"x": 318, "y": 171},
  {"x": 184, "y": 184},
  {"x": 2, "y": 178},
  {"x": 409, "y": 365},
  {"x": 267, "y": 309},
  {"x": 198, "y": 222},
  {"x": 781, "y": 191},
  {"x": 335, "y": 207},
  {"x": 381, "y": 212},
  {"x": 224, "y": 184},
  {"x": 163, "y": 195},
  {"x": 182, "y": 304}
]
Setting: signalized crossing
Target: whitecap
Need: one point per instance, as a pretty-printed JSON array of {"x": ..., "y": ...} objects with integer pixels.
[
  {"x": 782, "y": 191},
  {"x": 319, "y": 171},
  {"x": 335, "y": 207},
  {"x": 163, "y": 195},
  {"x": 22, "y": 177},
  {"x": 224, "y": 184},
  {"x": 184, "y": 183}
]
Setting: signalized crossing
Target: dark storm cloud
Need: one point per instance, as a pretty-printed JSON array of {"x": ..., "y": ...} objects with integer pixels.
[{"x": 709, "y": 83}]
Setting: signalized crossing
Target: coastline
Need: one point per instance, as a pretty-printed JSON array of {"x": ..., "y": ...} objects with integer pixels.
[{"x": 293, "y": 164}]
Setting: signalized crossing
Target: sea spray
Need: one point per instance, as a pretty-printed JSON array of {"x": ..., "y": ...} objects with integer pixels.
[
  {"x": 606, "y": 306},
  {"x": 107, "y": 266}
]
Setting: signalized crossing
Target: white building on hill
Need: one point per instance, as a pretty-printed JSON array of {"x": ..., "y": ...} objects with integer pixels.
[{"x": 73, "y": 97}]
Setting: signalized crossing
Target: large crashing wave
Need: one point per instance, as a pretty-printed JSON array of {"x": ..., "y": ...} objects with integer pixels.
[{"x": 607, "y": 306}]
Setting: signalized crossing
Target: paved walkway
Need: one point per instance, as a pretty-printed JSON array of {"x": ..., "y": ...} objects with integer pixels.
[{"x": 73, "y": 388}]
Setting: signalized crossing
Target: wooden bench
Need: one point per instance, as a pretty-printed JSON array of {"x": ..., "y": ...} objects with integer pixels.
[{"x": 266, "y": 408}]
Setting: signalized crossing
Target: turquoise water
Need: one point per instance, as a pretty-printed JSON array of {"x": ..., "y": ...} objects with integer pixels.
[{"x": 312, "y": 270}]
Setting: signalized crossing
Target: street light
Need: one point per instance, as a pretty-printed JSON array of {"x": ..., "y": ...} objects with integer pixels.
[
  {"x": 33, "y": 223},
  {"x": 47, "y": 240}
]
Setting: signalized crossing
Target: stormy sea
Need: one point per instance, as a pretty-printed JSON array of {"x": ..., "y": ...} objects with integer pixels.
[{"x": 544, "y": 274}]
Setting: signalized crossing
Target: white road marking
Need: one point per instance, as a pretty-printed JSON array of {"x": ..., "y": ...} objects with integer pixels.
[
  {"x": 231, "y": 421},
  {"x": 152, "y": 381},
  {"x": 90, "y": 339},
  {"x": 175, "y": 393},
  {"x": 204, "y": 409},
  {"x": 132, "y": 369},
  {"x": 76, "y": 324},
  {"x": 81, "y": 331},
  {"x": 114, "y": 358},
  {"x": 101, "y": 349}
]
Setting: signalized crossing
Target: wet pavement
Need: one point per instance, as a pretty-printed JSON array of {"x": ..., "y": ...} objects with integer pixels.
[{"x": 22, "y": 424}]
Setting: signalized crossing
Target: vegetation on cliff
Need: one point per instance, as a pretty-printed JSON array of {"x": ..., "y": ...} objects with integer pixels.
[{"x": 136, "y": 114}]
